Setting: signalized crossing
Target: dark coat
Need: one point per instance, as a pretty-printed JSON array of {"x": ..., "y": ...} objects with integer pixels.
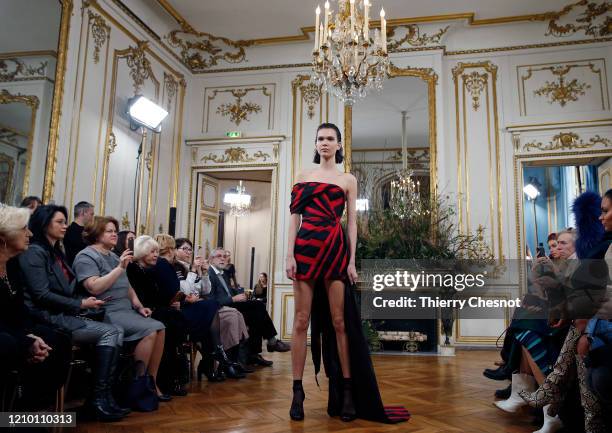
[{"x": 49, "y": 295}]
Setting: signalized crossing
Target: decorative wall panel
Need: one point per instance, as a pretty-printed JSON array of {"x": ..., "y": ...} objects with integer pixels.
[
  {"x": 559, "y": 88},
  {"x": 242, "y": 108},
  {"x": 109, "y": 164},
  {"x": 478, "y": 152}
]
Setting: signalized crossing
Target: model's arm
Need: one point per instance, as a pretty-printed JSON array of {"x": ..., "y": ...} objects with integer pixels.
[
  {"x": 352, "y": 226},
  {"x": 294, "y": 224}
]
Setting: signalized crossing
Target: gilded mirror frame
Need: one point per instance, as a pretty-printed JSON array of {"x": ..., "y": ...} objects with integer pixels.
[
  {"x": 431, "y": 79},
  {"x": 58, "y": 94},
  {"x": 33, "y": 103}
]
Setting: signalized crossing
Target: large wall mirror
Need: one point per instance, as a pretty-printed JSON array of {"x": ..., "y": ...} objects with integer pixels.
[
  {"x": 391, "y": 131},
  {"x": 33, "y": 35}
]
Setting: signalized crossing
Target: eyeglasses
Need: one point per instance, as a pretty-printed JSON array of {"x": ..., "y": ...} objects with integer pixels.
[{"x": 186, "y": 249}]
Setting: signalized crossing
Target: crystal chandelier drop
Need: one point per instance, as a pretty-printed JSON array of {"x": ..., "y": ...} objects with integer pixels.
[
  {"x": 348, "y": 59},
  {"x": 238, "y": 201},
  {"x": 406, "y": 195}
]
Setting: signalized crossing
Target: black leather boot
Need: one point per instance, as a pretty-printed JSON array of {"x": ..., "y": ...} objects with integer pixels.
[
  {"x": 348, "y": 408},
  {"x": 111, "y": 380},
  {"x": 228, "y": 367},
  {"x": 100, "y": 404}
]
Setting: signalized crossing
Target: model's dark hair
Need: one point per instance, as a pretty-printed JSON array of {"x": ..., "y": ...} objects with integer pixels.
[
  {"x": 40, "y": 220},
  {"x": 339, "y": 157}
]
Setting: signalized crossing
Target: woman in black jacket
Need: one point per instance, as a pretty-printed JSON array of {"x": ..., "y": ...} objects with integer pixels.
[
  {"x": 40, "y": 354},
  {"x": 50, "y": 295}
]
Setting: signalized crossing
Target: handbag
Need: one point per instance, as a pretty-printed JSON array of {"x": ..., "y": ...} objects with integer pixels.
[{"x": 141, "y": 393}]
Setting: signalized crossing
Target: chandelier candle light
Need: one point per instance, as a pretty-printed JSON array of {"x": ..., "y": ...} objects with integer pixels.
[{"x": 347, "y": 60}]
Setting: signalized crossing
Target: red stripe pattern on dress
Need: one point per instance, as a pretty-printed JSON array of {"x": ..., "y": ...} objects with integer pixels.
[{"x": 321, "y": 249}]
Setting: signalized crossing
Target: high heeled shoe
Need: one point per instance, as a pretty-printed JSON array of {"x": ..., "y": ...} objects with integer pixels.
[
  {"x": 348, "y": 412},
  {"x": 228, "y": 367},
  {"x": 207, "y": 367},
  {"x": 296, "y": 412}
]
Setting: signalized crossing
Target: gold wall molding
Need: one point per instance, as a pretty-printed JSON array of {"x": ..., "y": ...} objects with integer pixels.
[
  {"x": 594, "y": 19},
  {"x": 33, "y": 103},
  {"x": 413, "y": 37},
  {"x": 567, "y": 141},
  {"x": 140, "y": 66},
  {"x": 475, "y": 83},
  {"x": 237, "y": 110},
  {"x": 561, "y": 90},
  {"x": 312, "y": 95},
  {"x": 13, "y": 69},
  {"x": 461, "y": 81},
  {"x": 235, "y": 155},
  {"x": 201, "y": 50},
  {"x": 415, "y": 156},
  {"x": 58, "y": 97},
  {"x": 125, "y": 222},
  {"x": 100, "y": 32},
  {"x": 171, "y": 86},
  {"x": 111, "y": 145}
]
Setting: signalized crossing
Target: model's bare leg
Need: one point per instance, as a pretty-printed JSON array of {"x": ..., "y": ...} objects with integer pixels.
[
  {"x": 302, "y": 295},
  {"x": 335, "y": 294},
  {"x": 529, "y": 366},
  {"x": 302, "y": 292}
]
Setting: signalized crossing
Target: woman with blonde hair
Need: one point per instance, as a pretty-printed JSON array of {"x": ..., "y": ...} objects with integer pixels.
[{"x": 202, "y": 316}]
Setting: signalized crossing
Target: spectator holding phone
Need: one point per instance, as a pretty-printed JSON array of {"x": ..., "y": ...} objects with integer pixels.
[
  {"x": 103, "y": 275},
  {"x": 50, "y": 294},
  {"x": 125, "y": 241}
]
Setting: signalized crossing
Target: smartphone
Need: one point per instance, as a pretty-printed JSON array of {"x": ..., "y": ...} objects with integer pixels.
[{"x": 130, "y": 245}]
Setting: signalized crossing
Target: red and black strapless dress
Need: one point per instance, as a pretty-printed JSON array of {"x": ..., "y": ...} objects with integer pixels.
[
  {"x": 321, "y": 249},
  {"x": 322, "y": 253}
]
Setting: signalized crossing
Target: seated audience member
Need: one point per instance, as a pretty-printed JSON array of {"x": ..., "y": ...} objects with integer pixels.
[
  {"x": 203, "y": 321},
  {"x": 103, "y": 275},
  {"x": 31, "y": 202},
  {"x": 50, "y": 295},
  {"x": 193, "y": 276},
  {"x": 37, "y": 352},
  {"x": 255, "y": 315},
  {"x": 73, "y": 240},
  {"x": 260, "y": 291},
  {"x": 584, "y": 295},
  {"x": 552, "y": 245},
  {"x": 170, "y": 374},
  {"x": 123, "y": 238}
]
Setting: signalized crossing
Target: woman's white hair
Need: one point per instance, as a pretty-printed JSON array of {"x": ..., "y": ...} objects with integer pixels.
[
  {"x": 12, "y": 220},
  {"x": 143, "y": 245}
]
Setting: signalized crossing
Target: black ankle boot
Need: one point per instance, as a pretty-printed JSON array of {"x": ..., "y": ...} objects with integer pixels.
[
  {"x": 296, "y": 412},
  {"x": 348, "y": 408},
  {"x": 100, "y": 403},
  {"x": 207, "y": 367},
  {"x": 228, "y": 367},
  {"x": 334, "y": 397}
]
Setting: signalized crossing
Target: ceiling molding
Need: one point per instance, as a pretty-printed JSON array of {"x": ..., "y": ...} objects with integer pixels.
[{"x": 470, "y": 17}]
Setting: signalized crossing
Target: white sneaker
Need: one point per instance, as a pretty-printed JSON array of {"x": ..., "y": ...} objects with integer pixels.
[
  {"x": 520, "y": 382},
  {"x": 552, "y": 424}
]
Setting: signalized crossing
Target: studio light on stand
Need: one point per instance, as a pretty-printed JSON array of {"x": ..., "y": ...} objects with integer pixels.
[
  {"x": 144, "y": 115},
  {"x": 532, "y": 191}
]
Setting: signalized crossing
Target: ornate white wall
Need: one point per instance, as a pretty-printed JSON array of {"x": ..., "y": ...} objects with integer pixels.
[{"x": 503, "y": 92}]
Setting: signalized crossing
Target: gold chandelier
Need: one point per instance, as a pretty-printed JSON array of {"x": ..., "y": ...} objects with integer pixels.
[{"x": 349, "y": 60}]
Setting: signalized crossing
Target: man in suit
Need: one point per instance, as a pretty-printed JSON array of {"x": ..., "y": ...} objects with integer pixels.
[
  {"x": 73, "y": 239},
  {"x": 255, "y": 315}
]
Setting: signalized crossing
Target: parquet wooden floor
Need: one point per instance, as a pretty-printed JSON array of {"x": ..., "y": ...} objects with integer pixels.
[{"x": 443, "y": 395}]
